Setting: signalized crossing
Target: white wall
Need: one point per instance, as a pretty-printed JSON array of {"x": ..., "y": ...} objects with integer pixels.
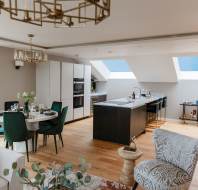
[
  {"x": 184, "y": 90},
  {"x": 153, "y": 68}
]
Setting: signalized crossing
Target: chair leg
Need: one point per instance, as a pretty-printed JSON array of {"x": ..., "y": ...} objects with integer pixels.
[
  {"x": 61, "y": 139},
  {"x": 33, "y": 147},
  {"x": 46, "y": 136},
  {"x": 7, "y": 145},
  {"x": 36, "y": 141},
  {"x": 12, "y": 147},
  {"x": 134, "y": 186},
  {"x": 43, "y": 140},
  {"x": 27, "y": 151},
  {"x": 55, "y": 144}
]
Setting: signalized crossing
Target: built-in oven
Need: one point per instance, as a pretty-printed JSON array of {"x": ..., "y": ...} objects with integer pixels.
[
  {"x": 78, "y": 101},
  {"x": 78, "y": 86}
]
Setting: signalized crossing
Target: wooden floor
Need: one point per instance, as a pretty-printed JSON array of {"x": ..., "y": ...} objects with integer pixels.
[{"x": 102, "y": 155}]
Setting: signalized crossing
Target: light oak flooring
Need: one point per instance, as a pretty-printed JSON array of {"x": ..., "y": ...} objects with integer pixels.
[{"x": 102, "y": 155}]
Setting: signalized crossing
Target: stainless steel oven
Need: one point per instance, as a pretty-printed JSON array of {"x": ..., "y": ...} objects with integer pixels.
[
  {"x": 78, "y": 86},
  {"x": 78, "y": 101}
]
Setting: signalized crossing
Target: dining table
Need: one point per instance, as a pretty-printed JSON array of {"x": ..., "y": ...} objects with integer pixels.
[{"x": 32, "y": 123}]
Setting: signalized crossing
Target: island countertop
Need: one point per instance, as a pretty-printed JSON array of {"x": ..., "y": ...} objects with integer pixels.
[{"x": 126, "y": 103}]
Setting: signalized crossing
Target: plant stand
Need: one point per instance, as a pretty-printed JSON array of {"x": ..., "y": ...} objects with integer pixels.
[{"x": 129, "y": 158}]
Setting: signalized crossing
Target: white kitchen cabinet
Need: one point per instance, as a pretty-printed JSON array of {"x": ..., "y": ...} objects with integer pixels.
[
  {"x": 55, "y": 87},
  {"x": 87, "y": 90},
  {"x": 54, "y": 82},
  {"x": 67, "y": 89},
  {"x": 78, "y": 71},
  {"x": 43, "y": 84},
  {"x": 78, "y": 113},
  {"x": 48, "y": 83},
  {"x": 69, "y": 104},
  {"x": 67, "y": 81}
]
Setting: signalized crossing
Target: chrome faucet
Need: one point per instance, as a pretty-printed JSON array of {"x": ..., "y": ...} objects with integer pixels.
[{"x": 137, "y": 88}]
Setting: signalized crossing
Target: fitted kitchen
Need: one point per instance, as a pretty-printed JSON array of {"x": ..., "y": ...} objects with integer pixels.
[{"x": 115, "y": 120}]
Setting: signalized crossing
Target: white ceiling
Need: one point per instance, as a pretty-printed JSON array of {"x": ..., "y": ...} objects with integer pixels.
[
  {"x": 169, "y": 46},
  {"x": 129, "y": 19}
]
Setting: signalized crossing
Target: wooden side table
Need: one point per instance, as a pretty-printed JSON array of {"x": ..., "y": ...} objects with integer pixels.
[{"x": 129, "y": 158}]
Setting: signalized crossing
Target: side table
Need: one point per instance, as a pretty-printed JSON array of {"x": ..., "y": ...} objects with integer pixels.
[{"x": 129, "y": 158}]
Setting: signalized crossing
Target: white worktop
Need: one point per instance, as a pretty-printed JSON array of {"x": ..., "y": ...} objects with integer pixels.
[
  {"x": 98, "y": 94},
  {"x": 129, "y": 104}
]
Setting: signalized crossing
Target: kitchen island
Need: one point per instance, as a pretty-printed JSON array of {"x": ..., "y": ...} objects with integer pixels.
[{"x": 119, "y": 120}]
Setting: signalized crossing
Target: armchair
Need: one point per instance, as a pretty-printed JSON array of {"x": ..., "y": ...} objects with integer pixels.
[
  {"x": 173, "y": 168},
  {"x": 7, "y": 157}
]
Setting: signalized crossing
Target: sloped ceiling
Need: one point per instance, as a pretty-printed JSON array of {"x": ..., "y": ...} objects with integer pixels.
[{"x": 153, "y": 68}]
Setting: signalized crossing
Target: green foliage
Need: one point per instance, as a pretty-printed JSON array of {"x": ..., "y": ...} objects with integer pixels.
[
  {"x": 6, "y": 172},
  {"x": 14, "y": 166},
  {"x": 59, "y": 175},
  {"x": 68, "y": 166},
  {"x": 35, "y": 167}
]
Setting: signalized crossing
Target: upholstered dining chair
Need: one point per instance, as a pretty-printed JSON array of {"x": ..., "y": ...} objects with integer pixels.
[
  {"x": 7, "y": 105},
  {"x": 16, "y": 130},
  {"x": 54, "y": 130},
  {"x": 56, "y": 106},
  {"x": 173, "y": 168}
]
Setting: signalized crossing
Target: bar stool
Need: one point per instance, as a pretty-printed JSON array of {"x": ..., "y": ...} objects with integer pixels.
[
  {"x": 164, "y": 106},
  {"x": 154, "y": 108}
]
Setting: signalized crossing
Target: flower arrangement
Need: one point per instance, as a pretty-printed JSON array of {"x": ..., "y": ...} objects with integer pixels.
[
  {"x": 55, "y": 177},
  {"x": 26, "y": 96}
]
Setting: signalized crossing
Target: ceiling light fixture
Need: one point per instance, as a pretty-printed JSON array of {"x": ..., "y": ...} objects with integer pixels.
[
  {"x": 60, "y": 13},
  {"x": 30, "y": 55}
]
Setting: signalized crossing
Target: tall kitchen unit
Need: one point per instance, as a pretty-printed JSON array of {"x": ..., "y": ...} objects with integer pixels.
[
  {"x": 67, "y": 88},
  {"x": 66, "y": 82},
  {"x": 48, "y": 85}
]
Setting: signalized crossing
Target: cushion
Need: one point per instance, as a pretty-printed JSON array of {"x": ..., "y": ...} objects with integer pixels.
[
  {"x": 3, "y": 184},
  {"x": 45, "y": 128},
  {"x": 180, "y": 150},
  {"x": 160, "y": 175}
]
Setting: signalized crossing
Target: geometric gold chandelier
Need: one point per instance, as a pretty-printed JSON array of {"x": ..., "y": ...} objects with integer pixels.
[{"x": 60, "y": 13}]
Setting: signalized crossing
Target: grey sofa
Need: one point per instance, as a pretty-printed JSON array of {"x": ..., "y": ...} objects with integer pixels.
[{"x": 173, "y": 168}]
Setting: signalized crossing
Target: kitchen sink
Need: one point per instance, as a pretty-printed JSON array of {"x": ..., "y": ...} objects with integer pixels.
[{"x": 119, "y": 102}]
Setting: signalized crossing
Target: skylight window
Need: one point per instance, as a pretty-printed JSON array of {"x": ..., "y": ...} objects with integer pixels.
[
  {"x": 188, "y": 63},
  {"x": 116, "y": 68},
  {"x": 186, "y": 67},
  {"x": 117, "y": 65}
]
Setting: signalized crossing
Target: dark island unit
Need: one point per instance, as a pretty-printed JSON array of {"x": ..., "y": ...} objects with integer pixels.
[{"x": 119, "y": 120}]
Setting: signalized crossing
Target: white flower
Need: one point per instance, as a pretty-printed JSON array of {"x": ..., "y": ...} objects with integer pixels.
[
  {"x": 24, "y": 94},
  {"x": 18, "y": 95}
]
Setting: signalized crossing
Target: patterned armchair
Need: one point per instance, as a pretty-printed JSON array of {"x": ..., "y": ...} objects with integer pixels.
[{"x": 173, "y": 168}]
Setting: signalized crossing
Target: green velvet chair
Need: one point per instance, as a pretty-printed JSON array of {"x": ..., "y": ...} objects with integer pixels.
[
  {"x": 16, "y": 130},
  {"x": 56, "y": 106},
  {"x": 54, "y": 130}
]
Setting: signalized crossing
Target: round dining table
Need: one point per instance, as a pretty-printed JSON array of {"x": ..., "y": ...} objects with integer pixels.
[{"x": 32, "y": 125}]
